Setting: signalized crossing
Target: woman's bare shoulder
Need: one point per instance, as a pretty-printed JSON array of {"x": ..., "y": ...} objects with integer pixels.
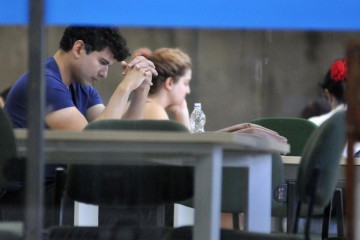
[{"x": 155, "y": 111}]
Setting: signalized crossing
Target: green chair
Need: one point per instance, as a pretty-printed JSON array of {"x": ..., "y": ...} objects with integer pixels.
[
  {"x": 316, "y": 180},
  {"x": 319, "y": 167},
  {"x": 296, "y": 130},
  {"x": 9, "y": 174},
  {"x": 126, "y": 186}
]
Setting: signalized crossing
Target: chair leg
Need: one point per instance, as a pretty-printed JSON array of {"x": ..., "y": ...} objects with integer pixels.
[
  {"x": 311, "y": 188},
  {"x": 339, "y": 208},
  {"x": 291, "y": 207},
  {"x": 337, "y": 204},
  {"x": 60, "y": 180},
  {"x": 297, "y": 217},
  {"x": 160, "y": 216},
  {"x": 169, "y": 215},
  {"x": 235, "y": 220},
  {"x": 326, "y": 220},
  {"x": 308, "y": 221}
]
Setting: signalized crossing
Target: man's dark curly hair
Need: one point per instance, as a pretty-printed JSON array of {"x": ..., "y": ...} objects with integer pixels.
[{"x": 96, "y": 39}]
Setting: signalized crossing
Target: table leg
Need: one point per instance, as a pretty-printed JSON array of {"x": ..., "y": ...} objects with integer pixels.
[
  {"x": 258, "y": 216},
  {"x": 357, "y": 206},
  {"x": 86, "y": 214},
  {"x": 183, "y": 215},
  {"x": 208, "y": 177}
]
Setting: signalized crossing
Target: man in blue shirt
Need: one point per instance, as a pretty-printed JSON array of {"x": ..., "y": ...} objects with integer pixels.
[{"x": 83, "y": 58}]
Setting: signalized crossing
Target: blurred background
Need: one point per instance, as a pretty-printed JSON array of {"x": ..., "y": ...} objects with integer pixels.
[{"x": 238, "y": 75}]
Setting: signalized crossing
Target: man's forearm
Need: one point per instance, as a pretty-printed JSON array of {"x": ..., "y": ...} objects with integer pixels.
[
  {"x": 137, "y": 104},
  {"x": 117, "y": 104}
]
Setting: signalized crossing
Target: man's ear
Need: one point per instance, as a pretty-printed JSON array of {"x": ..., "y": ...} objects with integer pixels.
[
  {"x": 168, "y": 83},
  {"x": 77, "y": 47}
]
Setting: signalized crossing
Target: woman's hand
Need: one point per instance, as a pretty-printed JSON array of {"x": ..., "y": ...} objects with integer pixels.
[
  {"x": 179, "y": 109},
  {"x": 181, "y": 113}
]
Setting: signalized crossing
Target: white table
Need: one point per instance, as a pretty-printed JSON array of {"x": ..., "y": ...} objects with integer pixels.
[
  {"x": 207, "y": 152},
  {"x": 291, "y": 165}
]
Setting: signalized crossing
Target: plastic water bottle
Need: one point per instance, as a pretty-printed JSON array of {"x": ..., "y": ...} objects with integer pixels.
[{"x": 197, "y": 119}]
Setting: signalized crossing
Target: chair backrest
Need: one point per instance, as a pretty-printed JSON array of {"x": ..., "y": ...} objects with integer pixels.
[
  {"x": 130, "y": 185},
  {"x": 296, "y": 130},
  {"x": 320, "y": 162},
  {"x": 8, "y": 152}
]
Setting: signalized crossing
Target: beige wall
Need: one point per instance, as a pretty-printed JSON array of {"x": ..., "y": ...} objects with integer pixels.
[{"x": 238, "y": 75}]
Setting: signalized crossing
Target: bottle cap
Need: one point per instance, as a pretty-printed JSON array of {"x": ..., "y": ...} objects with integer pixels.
[{"x": 197, "y": 104}]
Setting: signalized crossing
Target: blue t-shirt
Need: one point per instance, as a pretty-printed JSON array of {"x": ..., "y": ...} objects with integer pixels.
[{"x": 58, "y": 95}]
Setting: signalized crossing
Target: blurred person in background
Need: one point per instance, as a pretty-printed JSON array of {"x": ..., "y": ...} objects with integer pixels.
[
  {"x": 315, "y": 108},
  {"x": 334, "y": 90}
]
